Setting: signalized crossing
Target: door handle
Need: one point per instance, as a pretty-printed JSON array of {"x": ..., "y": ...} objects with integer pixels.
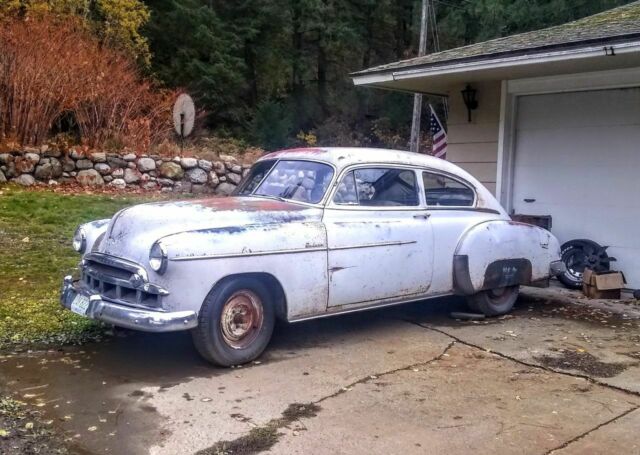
[
  {"x": 529, "y": 200},
  {"x": 422, "y": 217}
]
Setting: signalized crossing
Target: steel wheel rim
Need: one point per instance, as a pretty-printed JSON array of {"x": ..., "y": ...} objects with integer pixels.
[{"x": 241, "y": 319}]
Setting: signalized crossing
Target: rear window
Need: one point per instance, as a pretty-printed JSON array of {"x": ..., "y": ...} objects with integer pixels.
[
  {"x": 378, "y": 187},
  {"x": 445, "y": 191}
]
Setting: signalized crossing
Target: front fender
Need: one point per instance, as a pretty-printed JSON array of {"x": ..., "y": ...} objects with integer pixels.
[{"x": 502, "y": 253}]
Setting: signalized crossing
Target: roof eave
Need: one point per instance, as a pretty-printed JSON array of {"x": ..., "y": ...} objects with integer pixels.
[{"x": 622, "y": 44}]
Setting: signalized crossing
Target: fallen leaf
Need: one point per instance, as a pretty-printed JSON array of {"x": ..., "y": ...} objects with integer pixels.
[
  {"x": 3, "y": 433},
  {"x": 26, "y": 240},
  {"x": 92, "y": 428},
  {"x": 29, "y": 426}
]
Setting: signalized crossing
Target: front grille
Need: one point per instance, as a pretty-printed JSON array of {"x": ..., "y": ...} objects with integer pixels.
[{"x": 113, "y": 283}]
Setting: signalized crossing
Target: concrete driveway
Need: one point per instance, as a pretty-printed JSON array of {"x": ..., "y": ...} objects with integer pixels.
[{"x": 559, "y": 375}]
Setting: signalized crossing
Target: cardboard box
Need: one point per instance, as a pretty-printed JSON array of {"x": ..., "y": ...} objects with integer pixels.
[{"x": 602, "y": 285}]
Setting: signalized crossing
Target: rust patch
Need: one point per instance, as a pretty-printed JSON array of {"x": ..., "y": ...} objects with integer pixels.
[{"x": 305, "y": 151}]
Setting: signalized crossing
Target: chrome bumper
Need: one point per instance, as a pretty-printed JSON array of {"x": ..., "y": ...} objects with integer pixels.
[
  {"x": 126, "y": 316},
  {"x": 557, "y": 268}
]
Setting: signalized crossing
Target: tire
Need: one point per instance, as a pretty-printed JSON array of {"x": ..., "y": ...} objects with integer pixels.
[
  {"x": 576, "y": 255},
  {"x": 494, "y": 302},
  {"x": 235, "y": 323}
]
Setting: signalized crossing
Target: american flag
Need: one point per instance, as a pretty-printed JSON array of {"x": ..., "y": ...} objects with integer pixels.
[{"x": 439, "y": 135}]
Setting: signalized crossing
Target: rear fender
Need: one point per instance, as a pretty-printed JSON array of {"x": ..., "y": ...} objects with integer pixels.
[{"x": 501, "y": 253}]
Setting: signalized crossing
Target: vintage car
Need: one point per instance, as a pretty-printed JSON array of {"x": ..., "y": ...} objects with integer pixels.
[{"x": 308, "y": 233}]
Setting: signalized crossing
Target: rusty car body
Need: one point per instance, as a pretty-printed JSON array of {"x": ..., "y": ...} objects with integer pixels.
[{"x": 308, "y": 233}]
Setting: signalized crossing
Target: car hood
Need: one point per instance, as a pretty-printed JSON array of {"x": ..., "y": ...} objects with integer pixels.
[{"x": 132, "y": 231}]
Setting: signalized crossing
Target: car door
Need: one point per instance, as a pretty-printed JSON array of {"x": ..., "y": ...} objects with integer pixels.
[{"x": 379, "y": 237}]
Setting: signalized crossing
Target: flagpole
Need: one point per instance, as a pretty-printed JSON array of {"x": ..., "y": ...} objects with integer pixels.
[{"x": 417, "y": 98}]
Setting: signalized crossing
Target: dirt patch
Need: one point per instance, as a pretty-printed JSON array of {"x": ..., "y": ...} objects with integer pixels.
[
  {"x": 583, "y": 362},
  {"x": 23, "y": 430},
  {"x": 262, "y": 438}
]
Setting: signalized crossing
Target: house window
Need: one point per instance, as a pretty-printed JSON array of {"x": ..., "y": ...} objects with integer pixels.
[
  {"x": 378, "y": 187},
  {"x": 445, "y": 191}
]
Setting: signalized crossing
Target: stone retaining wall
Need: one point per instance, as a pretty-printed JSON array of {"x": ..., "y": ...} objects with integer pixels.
[{"x": 149, "y": 172}]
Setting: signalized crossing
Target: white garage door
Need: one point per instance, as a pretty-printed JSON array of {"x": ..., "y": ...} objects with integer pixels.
[{"x": 578, "y": 159}]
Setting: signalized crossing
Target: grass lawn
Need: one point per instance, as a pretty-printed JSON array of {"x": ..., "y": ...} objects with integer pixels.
[{"x": 35, "y": 253}]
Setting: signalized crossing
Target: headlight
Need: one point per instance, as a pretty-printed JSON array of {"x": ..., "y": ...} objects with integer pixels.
[
  {"x": 158, "y": 258},
  {"x": 79, "y": 240}
]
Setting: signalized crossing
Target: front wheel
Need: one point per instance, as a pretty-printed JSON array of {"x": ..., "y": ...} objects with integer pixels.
[
  {"x": 235, "y": 323},
  {"x": 494, "y": 302}
]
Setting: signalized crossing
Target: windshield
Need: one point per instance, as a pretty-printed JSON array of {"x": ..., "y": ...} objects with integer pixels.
[{"x": 304, "y": 181}]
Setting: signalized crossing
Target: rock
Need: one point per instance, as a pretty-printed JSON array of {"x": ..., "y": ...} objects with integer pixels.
[
  {"x": 26, "y": 163},
  {"x": 10, "y": 170},
  {"x": 146, "y": 165},
  {"x": 50, "y": 152},
  {"x": 25, "y": 180},
  {"x": 116, "y": 162},
  {"x": 206, "y": 165},
  {"x": 131, "y": 176},
  {"x": 102, "y": 168},
  {"x": 3, "y": 179},
  {"x": 197, "y": 175},
  {"x": 107, "y": 178},
  {"x": 73, "y": 153},
  {"x": 51, "y": 169},
  {"x": 68, "y": 165},
  {"x": 176, "y": 159},
  {"x": 153, "y": 174},
  {"x": 223, "y": 178},
  {"x": 73, "y": 174},
  {"x": 213, "y": 179},
  {"x": 234, "y": 178},
  {"x": 145, "y": 177},
  {"x": 219, "y": 167},
  {"x": 158, "y": 163},
  {"x": 53, "y": 183},
  {"x": 89, "y": 177},
  {"x": 166, "y": 189},
  {"x": 129, "y": 157},
  {"x": 84, "y": 164},
  {"x": 189, "y": 163},
  {"x": 198, "y": 189},
  {"x": 149, "y": 186},
  {"x": 6, "y": 158},
  {"x": 228, "y": 158},
  {"x": 245, "y": 172},
  {"x": 98, "y": 157},
  {"x": 171, "y": 170},
  {"x": 118, "y": 183},
  {"x": 132, "y": 165},
  {"x": 165, "y": 182},
  {"x": 225, "y": 188},
  {"x": 182, "y": 187},
  {"x": 236, "y": 168},
  {"x": 117, "y": 173}
]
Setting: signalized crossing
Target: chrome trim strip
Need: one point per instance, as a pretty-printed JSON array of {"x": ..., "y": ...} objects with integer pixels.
[
  {"x": 257, "y": 253},
  {"x": 115, "y": 261},
  {"x": 374, "y": 245},
  {"x": 292, "y": 251}
]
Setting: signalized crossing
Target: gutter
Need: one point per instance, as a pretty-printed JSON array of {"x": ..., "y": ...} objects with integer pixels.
[{"x": 460, "y": 66}]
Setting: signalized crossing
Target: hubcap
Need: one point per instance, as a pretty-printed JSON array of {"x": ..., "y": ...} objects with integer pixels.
[{"x": 241, "y": 319}]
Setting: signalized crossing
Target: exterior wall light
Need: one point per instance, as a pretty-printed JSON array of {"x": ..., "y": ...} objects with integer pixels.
[{"x": 469, "y": 97}]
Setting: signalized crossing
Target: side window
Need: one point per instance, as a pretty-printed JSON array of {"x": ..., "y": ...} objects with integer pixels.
[
  {"x": 378, "y": 187},
  {"x": 444, "y": 191}
]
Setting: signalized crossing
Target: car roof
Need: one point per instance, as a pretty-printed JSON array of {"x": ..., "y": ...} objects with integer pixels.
[{"x": 342, "y": 157}]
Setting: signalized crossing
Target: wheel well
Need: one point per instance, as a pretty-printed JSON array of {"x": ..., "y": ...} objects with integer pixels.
[{"x": 271, "y": 283}]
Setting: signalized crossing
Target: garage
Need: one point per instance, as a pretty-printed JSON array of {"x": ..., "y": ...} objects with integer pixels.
[{"x": 577, "y": 159}]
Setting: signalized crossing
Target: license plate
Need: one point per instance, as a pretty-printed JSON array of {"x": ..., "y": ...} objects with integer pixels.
[{"x": 80, "y": 304}]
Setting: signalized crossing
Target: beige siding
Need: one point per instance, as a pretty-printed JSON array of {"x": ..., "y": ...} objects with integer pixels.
[{"x": 474, "y": 145}]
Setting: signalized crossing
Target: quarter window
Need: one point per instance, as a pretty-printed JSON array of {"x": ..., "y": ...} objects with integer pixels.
[
  {"x": 378, "y": 187},
  {"x": 445, "y": 191}
]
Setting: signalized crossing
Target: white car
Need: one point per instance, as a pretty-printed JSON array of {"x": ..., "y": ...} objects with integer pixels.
[{"x": 308, "y": 233}]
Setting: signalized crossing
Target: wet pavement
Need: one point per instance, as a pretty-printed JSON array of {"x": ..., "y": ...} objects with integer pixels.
[{"x": 560, "y": 373}]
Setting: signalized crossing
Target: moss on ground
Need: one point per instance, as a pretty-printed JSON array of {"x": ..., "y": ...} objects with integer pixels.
[{"x": 35, "y": 253}]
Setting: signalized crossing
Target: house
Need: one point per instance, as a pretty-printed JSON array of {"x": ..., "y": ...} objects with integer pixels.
[{"x": 556, "y": 130}]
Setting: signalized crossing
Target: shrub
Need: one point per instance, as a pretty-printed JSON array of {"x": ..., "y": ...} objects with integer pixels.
[
  {"x": 272, "y": 125},
  {"x": 51, "y": 68}
]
